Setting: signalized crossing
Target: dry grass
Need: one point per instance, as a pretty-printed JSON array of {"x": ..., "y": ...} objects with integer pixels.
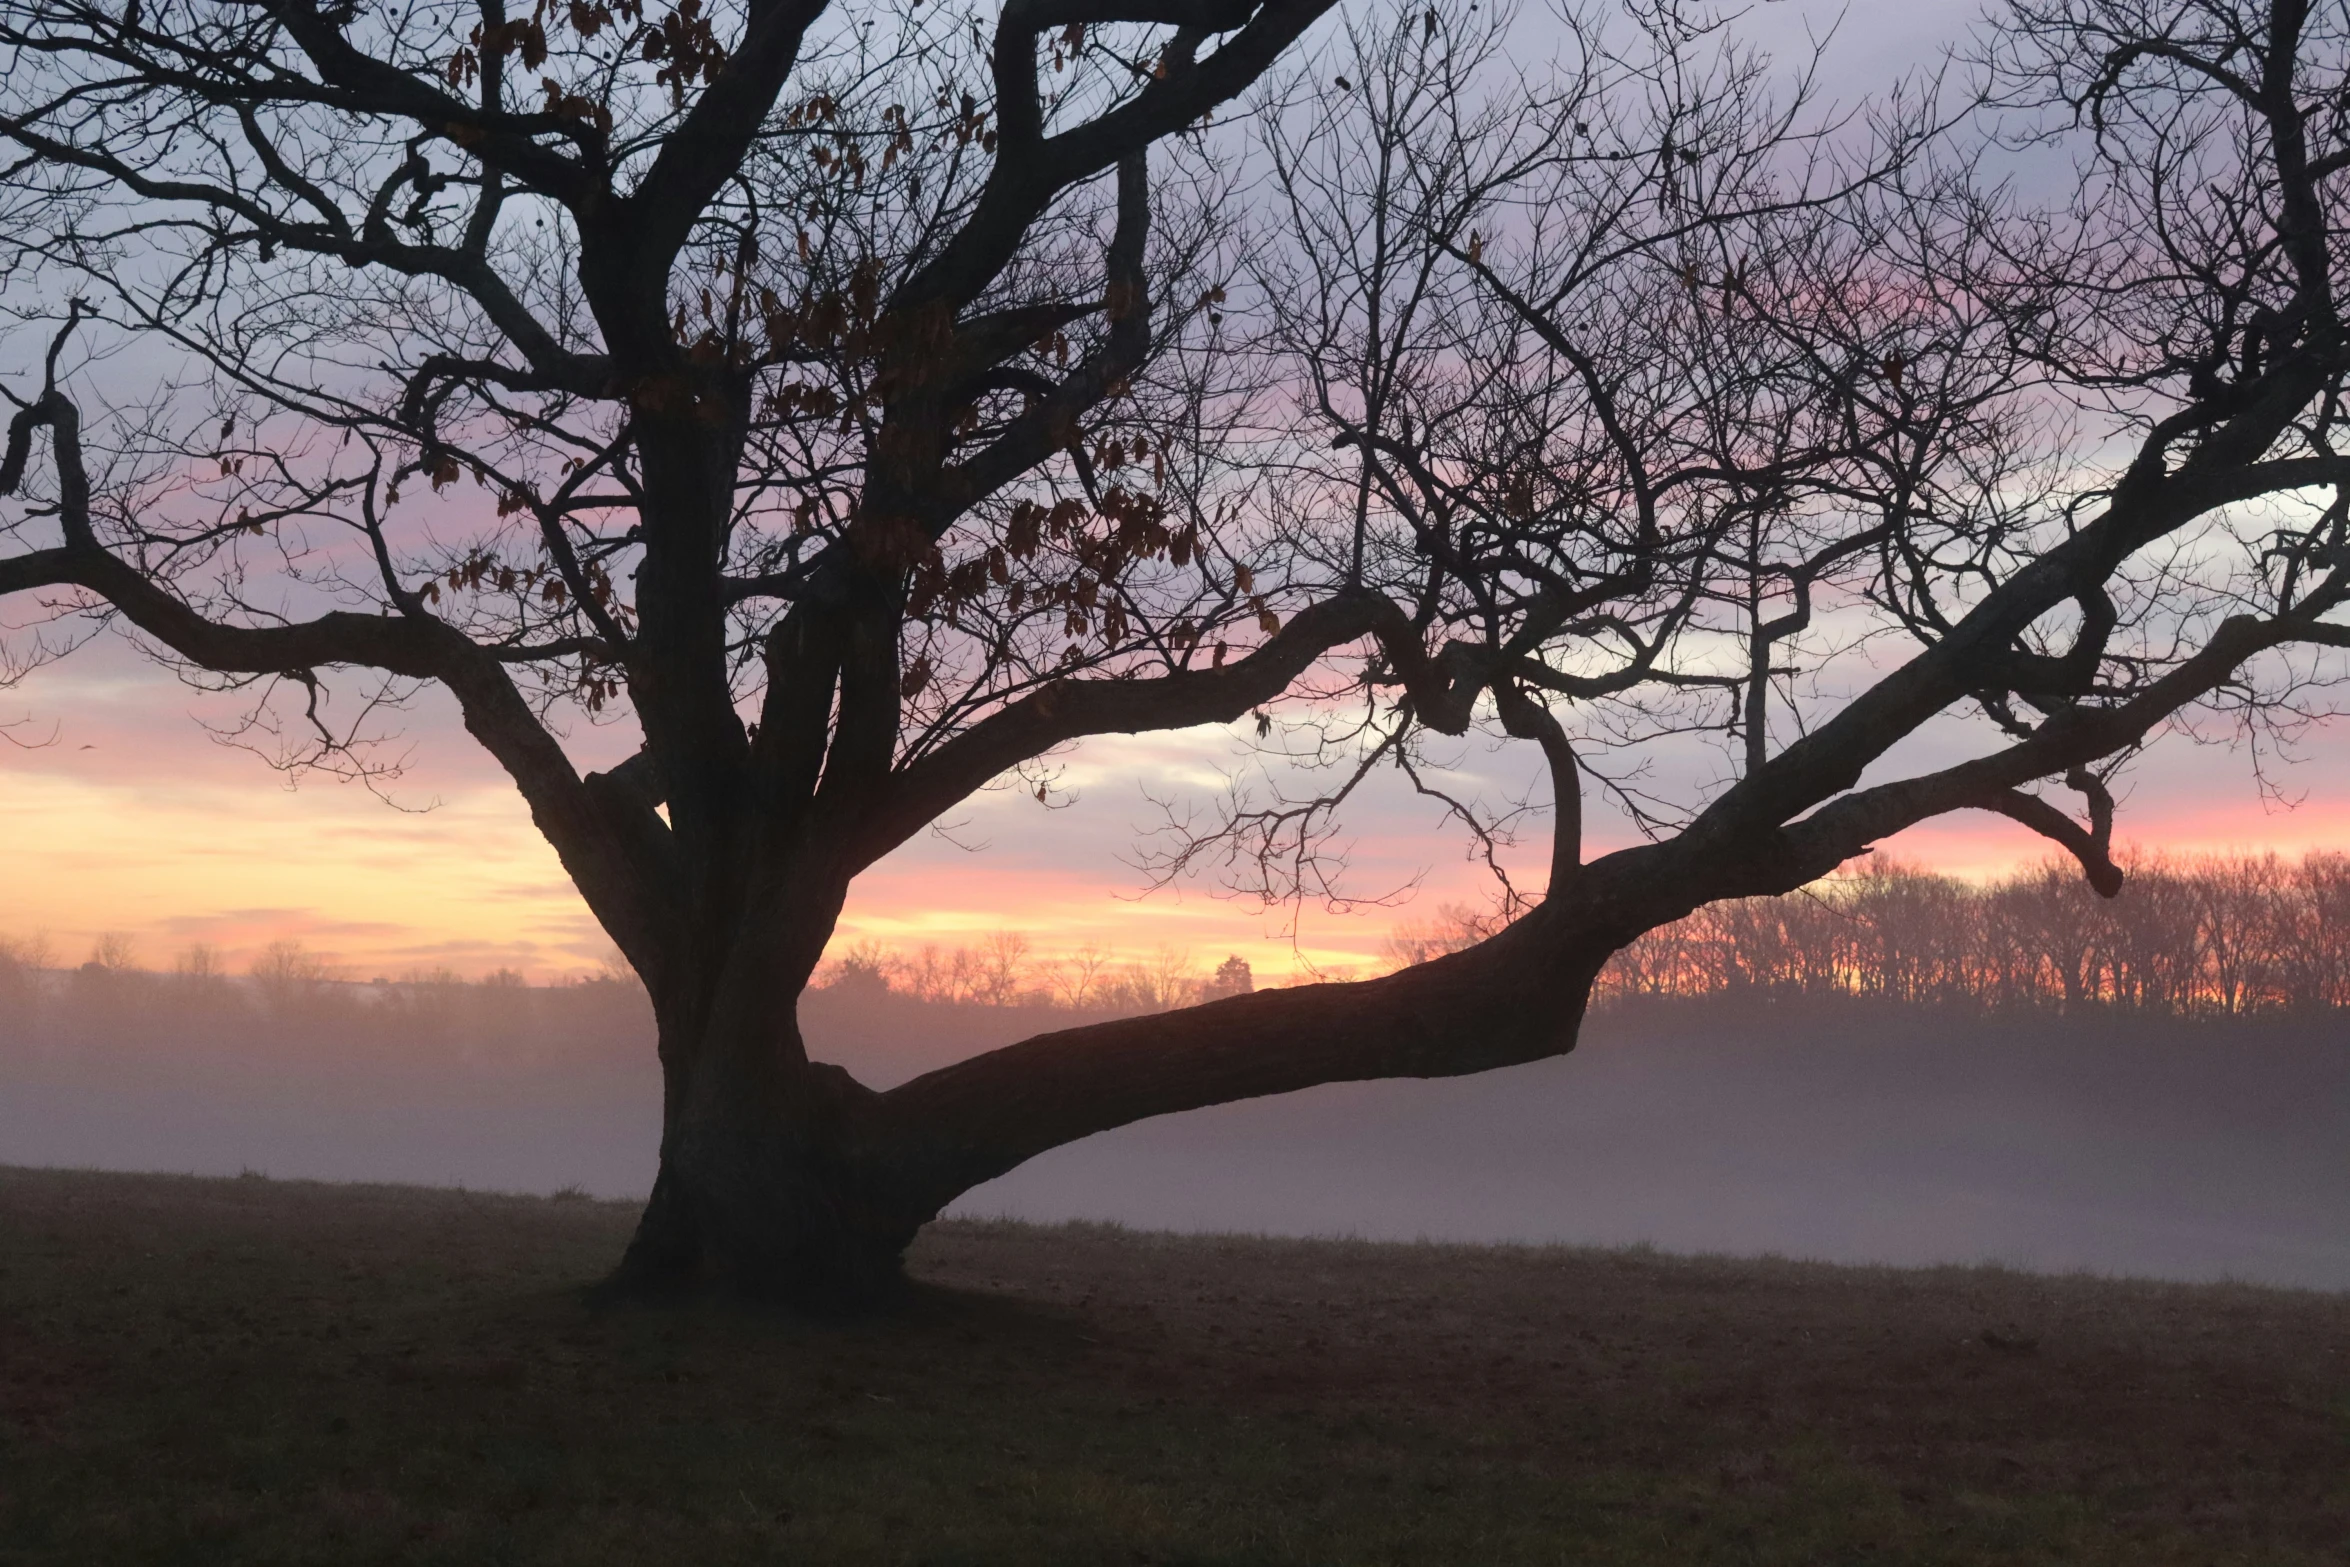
[{"x": 255, "y": 1371}]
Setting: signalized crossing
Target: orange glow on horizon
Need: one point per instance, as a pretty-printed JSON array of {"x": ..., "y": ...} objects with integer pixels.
[
  {"x": 470, "y": 886},
  {"x": 133, "y": 823}
]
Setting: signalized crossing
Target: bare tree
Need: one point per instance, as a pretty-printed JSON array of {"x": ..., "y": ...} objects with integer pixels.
[
  {"x": 865, "y": 405},
  {"x": 1003, "y": 967},
  {"x": 287, "y": 978},
  {"x": 22, "y": 962},
  {"x": 1077, "y": 978}
]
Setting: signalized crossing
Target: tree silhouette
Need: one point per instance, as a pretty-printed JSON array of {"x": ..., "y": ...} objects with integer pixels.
[{"x": 865, "y": 403}]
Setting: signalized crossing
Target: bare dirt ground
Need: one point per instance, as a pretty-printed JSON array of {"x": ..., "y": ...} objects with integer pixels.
[{"x": 256, "y": 1371}]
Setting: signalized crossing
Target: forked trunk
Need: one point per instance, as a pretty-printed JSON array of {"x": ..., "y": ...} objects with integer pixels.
[
  {"x": 787, "y": 1181},
  {"x": 771, "y": 1186}
]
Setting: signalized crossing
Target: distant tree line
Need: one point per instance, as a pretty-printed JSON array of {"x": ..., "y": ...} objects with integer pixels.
[
  {"x": 1005, "y": 970},
  {"x": 2202, "y": 936},
  {"x": 2190, "y": 936},
  {"x": 110, "y": 991},
  {"x": 292, "y": 999},
  {"x": 284, "y": 975}
]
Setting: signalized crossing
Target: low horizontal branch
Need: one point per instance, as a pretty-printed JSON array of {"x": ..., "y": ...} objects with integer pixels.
[{"x": 1514, "y": 998}]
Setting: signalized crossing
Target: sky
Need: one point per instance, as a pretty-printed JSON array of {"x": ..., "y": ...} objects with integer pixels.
[{"x": 132, "y": 818}]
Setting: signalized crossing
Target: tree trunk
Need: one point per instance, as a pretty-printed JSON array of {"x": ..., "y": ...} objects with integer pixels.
[
  {"x": 785, "y": 1180},
  {"x": 772, "y": 1185}
]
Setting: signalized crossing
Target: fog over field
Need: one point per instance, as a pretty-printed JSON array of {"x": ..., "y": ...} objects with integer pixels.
[{"x": 1836, "y": 1127}]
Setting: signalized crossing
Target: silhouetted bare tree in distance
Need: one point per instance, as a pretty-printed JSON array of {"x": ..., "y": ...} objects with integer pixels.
[{"x": 866, "y": 403}]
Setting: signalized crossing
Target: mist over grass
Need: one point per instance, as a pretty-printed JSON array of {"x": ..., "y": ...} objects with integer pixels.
[{"x": 1829, "y": 1125}]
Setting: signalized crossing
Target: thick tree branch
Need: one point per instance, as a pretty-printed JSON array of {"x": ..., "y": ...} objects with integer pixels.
[
  {"x": 1030, "y": 171},
  {"x": 553, "y": 364},
  {"x": 371, "y": 86},
  {"x": 2092, "y": 846},
  {"x": 1064, "y": 710},
  {"x": 2073, "y": 738},
  {"x": 1047, "y": 426},
  {"x": 1516, "y": 997},
  {"x": 619, "y": 881},
  {"x": 2146, "y": 507},
  {"x": 1526, "y": 719},
  {"x": 703, "y": 153}
]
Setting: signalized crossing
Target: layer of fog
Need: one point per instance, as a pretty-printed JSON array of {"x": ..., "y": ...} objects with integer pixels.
[{"x": 1838, "y": 1129}]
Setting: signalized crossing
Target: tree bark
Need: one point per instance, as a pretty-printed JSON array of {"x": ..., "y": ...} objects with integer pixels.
[{"x": 770, "y": 1187}]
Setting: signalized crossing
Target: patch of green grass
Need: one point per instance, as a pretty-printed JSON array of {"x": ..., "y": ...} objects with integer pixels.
[{"x": 262, "y": 1372}]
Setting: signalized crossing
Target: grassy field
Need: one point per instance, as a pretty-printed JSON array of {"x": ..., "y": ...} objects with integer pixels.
[{"x": 256, "y": 1371}]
